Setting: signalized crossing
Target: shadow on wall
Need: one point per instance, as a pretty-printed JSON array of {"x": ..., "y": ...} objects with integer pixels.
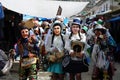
[
  {"x": 117, "y": 54},
  {"x": 5, "y": 46}
]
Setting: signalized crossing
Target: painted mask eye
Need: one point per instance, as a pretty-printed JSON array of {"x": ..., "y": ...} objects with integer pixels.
[{"x": 24, "y": 32}]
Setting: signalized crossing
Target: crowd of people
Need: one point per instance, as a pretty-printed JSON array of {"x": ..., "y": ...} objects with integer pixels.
[{"x": 65, "y": 50}]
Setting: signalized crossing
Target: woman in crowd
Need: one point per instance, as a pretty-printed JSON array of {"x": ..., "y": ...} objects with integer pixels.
[
  {"x": 55, "y": 49},
  {"x": 76, "y": 53}
]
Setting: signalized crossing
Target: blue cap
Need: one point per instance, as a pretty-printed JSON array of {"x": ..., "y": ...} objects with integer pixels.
[{"x": 76, "y": 21}]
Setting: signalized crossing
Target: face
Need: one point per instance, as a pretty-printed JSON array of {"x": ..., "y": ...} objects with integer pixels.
[
  {"x": 36, "y": 31},
  {"x": 75, "y": 29},
  {"x": 82, "y": 31},
  {"x": 57, "y": 30},
  {"x": 97, "y": 33},
  {"x": 25, "y": 33}
]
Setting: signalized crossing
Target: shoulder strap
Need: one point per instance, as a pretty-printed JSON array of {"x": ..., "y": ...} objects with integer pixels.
[
  {"x": 52, "y": 41},
  {"x": 71, "y": 35},
  {"x": 63, "y": 41},
  {"x": 80, "y": 36}
]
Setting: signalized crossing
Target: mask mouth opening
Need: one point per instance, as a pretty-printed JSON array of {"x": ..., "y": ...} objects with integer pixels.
[
  {"x": 101, "y": 36},
  {"x": 77, "y": 48}
]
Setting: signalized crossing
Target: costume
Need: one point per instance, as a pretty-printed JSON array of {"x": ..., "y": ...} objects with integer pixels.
[
  {"x": 102, "y": 55},
  {"x": 56, "y": 66},
  {"x": 102, "y": 59},
  {"x": 75, "y": 64},
  {"x": 26, "y": 49}
]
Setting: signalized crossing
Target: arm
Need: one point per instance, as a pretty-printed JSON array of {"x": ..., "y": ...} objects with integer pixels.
[
  {"x": 67, "y": 44},
  {"x": 48, "y": 46}
]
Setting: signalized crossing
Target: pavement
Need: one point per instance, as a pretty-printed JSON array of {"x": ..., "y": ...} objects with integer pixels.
[{"x": 13, "y": 74}]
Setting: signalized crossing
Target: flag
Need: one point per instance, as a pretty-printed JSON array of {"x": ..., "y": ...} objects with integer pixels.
[{"x": 59, "y": 12}]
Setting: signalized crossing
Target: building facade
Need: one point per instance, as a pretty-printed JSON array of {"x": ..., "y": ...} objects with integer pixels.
[{"x": 100, "y": 7}]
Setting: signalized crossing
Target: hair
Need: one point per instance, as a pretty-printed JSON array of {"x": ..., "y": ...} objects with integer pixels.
[
  {"x": 103, "y": 31},
  {"x": 57, "y": 24},
  {"x": 76, "y": 24},
  {"x": 23, "y": 27}
]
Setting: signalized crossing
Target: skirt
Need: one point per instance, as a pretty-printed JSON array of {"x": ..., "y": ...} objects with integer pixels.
[{"x": 76, "y": 66}]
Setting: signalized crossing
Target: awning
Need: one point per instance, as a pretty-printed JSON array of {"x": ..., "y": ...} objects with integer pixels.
[
  {"x": 1, "y": 12},
  {"x": 114, "y": 19},
  {"x": 44, "y": 8}
]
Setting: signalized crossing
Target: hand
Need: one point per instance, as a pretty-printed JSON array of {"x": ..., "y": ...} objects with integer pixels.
[
  {"x": 52, "y": 58},
  {"x": 79, "y": 55},
  {"x": 72, "y": 54},
  {"x": 55, "y": 49},
  {"x": 31, "y": 38},
  {"x": 12, "y": 52}
]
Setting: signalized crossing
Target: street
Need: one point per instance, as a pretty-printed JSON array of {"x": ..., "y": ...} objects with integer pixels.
[{"x": 13, "y": 75}]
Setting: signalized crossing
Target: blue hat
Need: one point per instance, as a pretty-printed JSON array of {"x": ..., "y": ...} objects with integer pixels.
[{"x": 76, "y": 21}]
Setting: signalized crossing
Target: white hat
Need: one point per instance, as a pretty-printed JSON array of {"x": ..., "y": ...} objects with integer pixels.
[
  {"x": 58, "y": 16},
  {"x": 98, "y": 26}
]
